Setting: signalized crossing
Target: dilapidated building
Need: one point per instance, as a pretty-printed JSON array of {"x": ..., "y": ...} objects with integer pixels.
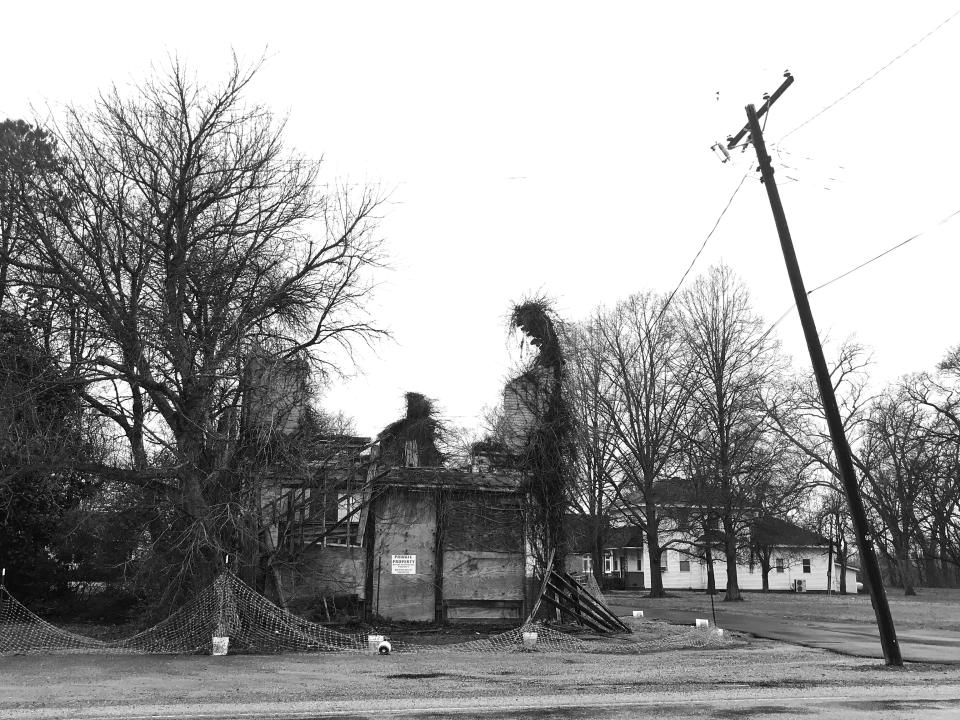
[
  {"x": 385, "y": 523},
  {"x": 445, "y": 545}
]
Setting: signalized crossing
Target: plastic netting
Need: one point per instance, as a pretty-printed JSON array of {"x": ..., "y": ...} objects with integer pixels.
[
  {"x": 227, "y": 608},
  {"x": 230, "y": 608},
  {"x": 652, "y": 636}
]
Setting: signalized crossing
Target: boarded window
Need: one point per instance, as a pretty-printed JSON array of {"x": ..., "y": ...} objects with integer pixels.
[
  {"x": 483, "y": 521},
  {"x": 684, "y": 566},
  {"x": 806, "y": 565},
  {"x": 780, "y": 565}
]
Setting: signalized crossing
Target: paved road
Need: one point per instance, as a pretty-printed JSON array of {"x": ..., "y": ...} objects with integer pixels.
[
  {"x": 890, "y": 701},
  {"x": 849, "y": 638}
]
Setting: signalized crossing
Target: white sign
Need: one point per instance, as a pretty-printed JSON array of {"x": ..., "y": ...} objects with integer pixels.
[{"x": 403, "y": 564}]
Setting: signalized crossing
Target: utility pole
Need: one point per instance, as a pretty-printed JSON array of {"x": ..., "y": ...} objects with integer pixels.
[{"x": 841, "y": 448}]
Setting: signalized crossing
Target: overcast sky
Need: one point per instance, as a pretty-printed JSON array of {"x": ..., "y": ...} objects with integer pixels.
[{"x": 565, "y": 149}]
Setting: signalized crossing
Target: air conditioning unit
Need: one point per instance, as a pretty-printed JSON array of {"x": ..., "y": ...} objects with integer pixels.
[{"x": 799, "y": 585}]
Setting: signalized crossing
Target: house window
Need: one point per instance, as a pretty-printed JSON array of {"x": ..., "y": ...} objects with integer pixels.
[
  {"x": 779, "y": 565},
  {"x": 806, "y": 565},
  {"x": 684, "y": 566},
  {"x": 347, "y": 504},
  {"x": 663, "y": 561},
  {"x": 608, "y": 562},
  {"x": 587, "y": 564}
]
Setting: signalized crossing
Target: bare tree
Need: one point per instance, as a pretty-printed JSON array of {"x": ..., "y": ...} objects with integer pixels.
[
  {"x": 196, "y": 242},
  {"x": 939, "y": 502},
  {"x": 897, "y": 455},
  {"x": 795, "y": 412},
  {"x": 731, "y": 359},
  {"x": 646, "y": 407},
  {"x": 595, "y": 488},
  {"x": 834, "y": 522},
  {"x": 778, "y": 487}
]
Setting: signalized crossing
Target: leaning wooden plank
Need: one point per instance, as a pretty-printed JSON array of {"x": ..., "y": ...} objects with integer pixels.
[
  {"x": 546, "y": 577},
  {"x": 583, "y": 619},
  {"x": 601, "y": 610},
  {"x": 590, "y": 601},
  {"x": 603, "y": 623}
]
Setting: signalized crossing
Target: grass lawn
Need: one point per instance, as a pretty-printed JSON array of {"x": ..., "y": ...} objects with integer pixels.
[{"x": 930, "y": 609}]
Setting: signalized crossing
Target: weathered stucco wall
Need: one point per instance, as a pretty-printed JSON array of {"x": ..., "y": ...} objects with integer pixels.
[{"x": 480, "y": 575}]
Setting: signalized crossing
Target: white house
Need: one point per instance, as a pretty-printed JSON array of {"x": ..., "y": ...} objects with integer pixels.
[{"x": 798, "y": 561}]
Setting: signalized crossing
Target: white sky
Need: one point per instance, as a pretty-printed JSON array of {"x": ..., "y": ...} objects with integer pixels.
[{"x": 564, "y": 148}]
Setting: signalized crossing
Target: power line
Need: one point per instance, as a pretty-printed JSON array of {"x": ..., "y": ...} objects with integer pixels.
[
  {"x": 703, "y": 245},
  {"x": 868, "y": 78},
  {"x": 885, "y": 252},
  {"x": 862, "y": 265},
  {"x": 778, "y": 321}
]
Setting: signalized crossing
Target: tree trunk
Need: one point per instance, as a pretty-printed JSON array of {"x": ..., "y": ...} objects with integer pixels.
[
  {"x": 730, "y": 554},
  {"x": 653, "y": 551},
  {"x": 711, "y": 577},
  {"x": 943, "y": 554},
  {"x": 904, "y": 565},
  {"x": 597, "y": 559},
  {"x": 932, "y": 570},
  {"x": 830, "y": 567}
]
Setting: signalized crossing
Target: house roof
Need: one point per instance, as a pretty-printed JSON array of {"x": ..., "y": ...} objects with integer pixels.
[
  {"x": 774, "y": 531},
  {"x": 433, "y": 477},
  {"x": 579, "y": 535},
  {"x": 669, "y": 491},
  {"x": 629, "y": 536}
]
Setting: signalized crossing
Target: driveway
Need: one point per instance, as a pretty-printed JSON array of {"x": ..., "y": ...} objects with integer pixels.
[{"x": 849, "y": 638}]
